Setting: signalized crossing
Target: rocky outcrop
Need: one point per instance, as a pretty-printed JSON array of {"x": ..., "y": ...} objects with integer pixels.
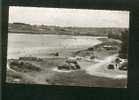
[{"x": 70, "y": 64}]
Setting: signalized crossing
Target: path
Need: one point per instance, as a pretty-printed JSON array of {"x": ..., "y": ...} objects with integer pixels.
[{"x": 100, "y": 69}]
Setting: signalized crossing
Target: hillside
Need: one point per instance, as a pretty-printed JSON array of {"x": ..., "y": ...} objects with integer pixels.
[{"x": 43, "y": 29}]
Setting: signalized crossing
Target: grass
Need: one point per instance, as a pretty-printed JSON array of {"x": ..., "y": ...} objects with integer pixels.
[
  {"x": 23, "y": 78},
  {"x": 40, "y": 72},
  {"x": 81, "y": 78},
  {"x": 99, "y": 51},
  {"x": 50, "y": 77},
  {"x": 22, "y": 66}
]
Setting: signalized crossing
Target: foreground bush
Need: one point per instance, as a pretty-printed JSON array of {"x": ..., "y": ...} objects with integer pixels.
[
  {"x": 23, "y": 66},
  {"x": 30, "y": 58},
  {"x": 124, "y": 66}
]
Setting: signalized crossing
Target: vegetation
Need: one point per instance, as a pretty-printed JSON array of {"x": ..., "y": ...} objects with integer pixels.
[
  {"x": 112, "y": 35},
  {"x": 50, "y": 77},
  {"x": 23, "y": 66},
  {"x": 30, "y": 59},
  {"x": 44, "y": 71},
  {"x": 123, "y": 36},
  {"x": 43, "y": 29},
  {"x": 123, "y": 53},
  {"x": 100, "y": 51}
]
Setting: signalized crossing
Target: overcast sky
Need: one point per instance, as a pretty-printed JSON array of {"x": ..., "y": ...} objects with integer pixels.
[{"x": 69, "y": 17}]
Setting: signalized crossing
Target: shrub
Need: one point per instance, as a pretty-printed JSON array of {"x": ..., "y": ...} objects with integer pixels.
[
  {"x": 110, "y": 66},
  {"x": 23, "y": 66}
]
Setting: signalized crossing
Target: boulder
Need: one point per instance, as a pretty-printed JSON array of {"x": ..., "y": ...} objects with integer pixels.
[
  {"x": 30, "y": 58},
  {"x": 77, "y": 66},
  {"x": 71, "y": 60},
  {"x": 124, "y": 66},
  {"x": 108, "y": 47},
  {"x": 92, "y": 57},
  {"x": 69, "y": 66},
  {"x": 55, "y": 54},
  {"x": 63, "y": 67},
  {"x": 111, "y": 66},
  {"x": 91, "y": 49}
]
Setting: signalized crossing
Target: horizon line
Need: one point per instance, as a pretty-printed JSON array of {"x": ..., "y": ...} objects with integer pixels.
[{"x": 68, "y": 26}]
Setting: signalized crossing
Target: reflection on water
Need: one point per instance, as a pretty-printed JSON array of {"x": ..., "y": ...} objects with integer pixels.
[{"x": 40, "y": 45}]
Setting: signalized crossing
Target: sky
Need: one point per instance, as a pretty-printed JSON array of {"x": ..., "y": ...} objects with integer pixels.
[{"x": 69, "y": 17}]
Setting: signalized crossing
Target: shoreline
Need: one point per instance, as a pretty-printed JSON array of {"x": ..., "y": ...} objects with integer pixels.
[
  {"x": 29, "y": 33},
  {"x": 67, "y": 50},
  {"x": 80, "y": 77}
]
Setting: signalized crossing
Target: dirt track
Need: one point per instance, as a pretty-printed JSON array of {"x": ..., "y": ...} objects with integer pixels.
[
  {"x": 100, "y": 69},
  {"x": 93, "y": 72}
]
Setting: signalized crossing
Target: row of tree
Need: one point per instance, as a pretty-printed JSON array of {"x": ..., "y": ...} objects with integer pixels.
[
  {"x": 123, "y": 53},
  {"x": 123, "y": 36}
]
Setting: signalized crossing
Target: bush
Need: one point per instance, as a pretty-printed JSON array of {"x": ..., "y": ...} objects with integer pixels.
[
  {"x": 30, "y": 58},
  {"x": 69, "y": 66},
  {"x": 91, "y": 49},
  {"x": 124, "y": 66},
  {"x": 110, "y": 66},
  {"x": 123, "y": 53},
  {"x": 23, "y": 66}
]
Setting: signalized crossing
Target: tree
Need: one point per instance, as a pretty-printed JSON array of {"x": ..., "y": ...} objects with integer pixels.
[{"x": 123, "y": 53}]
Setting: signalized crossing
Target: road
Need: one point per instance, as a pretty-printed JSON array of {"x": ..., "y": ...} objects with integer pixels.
[{"x": 100, "y": 69}]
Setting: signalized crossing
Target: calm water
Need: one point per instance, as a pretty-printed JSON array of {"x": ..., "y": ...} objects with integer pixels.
[{"x": 41, "y": 45}]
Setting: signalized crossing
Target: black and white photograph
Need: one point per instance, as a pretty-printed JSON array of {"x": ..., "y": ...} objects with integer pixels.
[{"x": 67, "y": 47}]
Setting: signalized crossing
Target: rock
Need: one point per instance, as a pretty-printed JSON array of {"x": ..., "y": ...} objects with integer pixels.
[
  {"x": 77, "y": 66},
  {"x": 108, "y": 47},
  {"x": 124, "y": 66},
  {"x": 92, "y": 57},
  {"x": 71, "y": 60},
  {"x": 117, "y": 60},
  {"x": 69, "y": 66},
  {"x": 91, "y": 49},
  {"x": 78, "y": 58},
  {"x": 30, "y": 58},
  {"x": 63, "y": 67},
  {"x": 16, "y": 80},
  {"x": 74, "y": 66},
  {"x": 55, "y": 54},
  {"x": 110, "y": 66}
]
